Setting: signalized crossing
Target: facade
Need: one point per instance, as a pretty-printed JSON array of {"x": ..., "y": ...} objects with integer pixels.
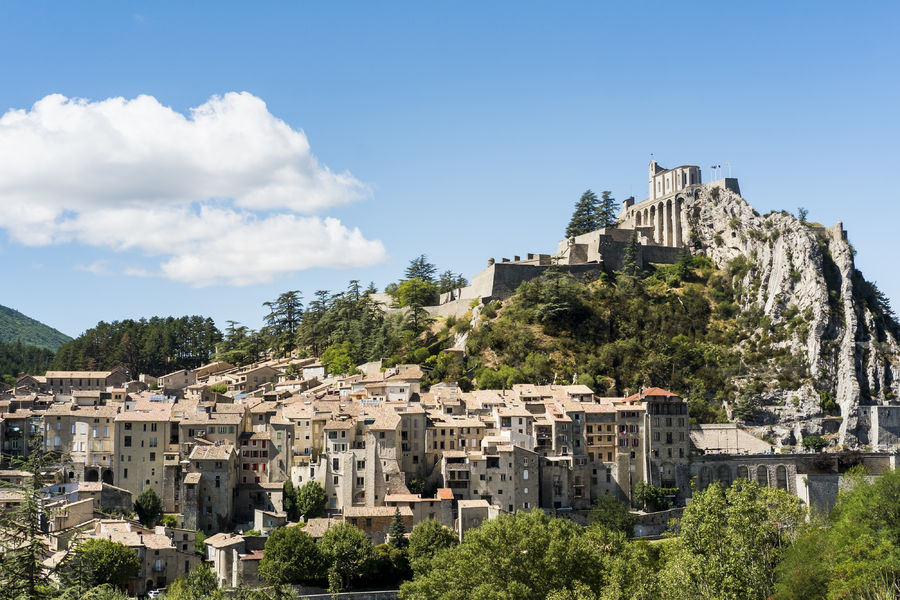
[
  {"x": 208, "y": 487},
  {"x": 65, "y": 382}
]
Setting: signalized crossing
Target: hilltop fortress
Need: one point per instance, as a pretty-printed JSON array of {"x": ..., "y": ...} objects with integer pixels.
[{"x": 660, "y": 223}]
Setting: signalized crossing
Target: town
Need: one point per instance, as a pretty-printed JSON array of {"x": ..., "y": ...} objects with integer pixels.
[{"x": 218, "y": 443}]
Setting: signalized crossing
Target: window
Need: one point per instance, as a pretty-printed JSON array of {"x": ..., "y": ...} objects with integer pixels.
[
  {"x": 128, "y": 441},
  {"x": 95, "y": 432},
  {"x": 218, "y": 482},
  {"x": 153, "y": 442},
  {"x": 127, "y": 426},
  {"x": 335, "y": 480},
  {"x": 125, "y": 474},
  {"x": 152, "y": 456},
  {"x": 525, "y": 475},
  {"x": 152, "y": 426}
]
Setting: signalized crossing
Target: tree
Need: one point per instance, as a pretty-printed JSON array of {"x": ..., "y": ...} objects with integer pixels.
[
  {"x": 448, "y": 280},
  {"x": 290, "y": 501},
  {"x": 200, "y": 542},
  {"x": 856, "y": 552},
  {"x": 802, "y": 213},
  {"x": 346, "y": 549},
  {"x": 607, "y": 211},
  {"x": 630, "y": 266},
  {"x": 814, "y": 442},
  {"x": 420, "y": 268},
  {"x": 22, "y": 572},
  {"x": 148, "y": 507},
  {"x": 337, "y": 359},
  {"x": 311, "y": 500},
  {"x": 291, "y": 556},
  {"x": 650, "y": 497},
  {"x": 426, "y": 540},
  {"x": 108, "y": 562},
  {"x": 283, "y": 319},
  {"x": 584, "y": 219},
  {"x": 521, "y": 556},
  {"x": 199, "y": 584},
  {"x": 415, "y": 294},
  {"x": 169, "y": 520},
  {"x": 608, "y": 512},
  {"x": 397, "y": 531},
  {"x": 730, "y": 542}
]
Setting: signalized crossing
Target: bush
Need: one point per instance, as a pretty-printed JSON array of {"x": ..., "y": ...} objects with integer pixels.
[{"x": 814, "y": 442}]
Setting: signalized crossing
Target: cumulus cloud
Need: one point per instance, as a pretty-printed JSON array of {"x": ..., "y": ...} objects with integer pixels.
[{"x": 222, "y": 195}]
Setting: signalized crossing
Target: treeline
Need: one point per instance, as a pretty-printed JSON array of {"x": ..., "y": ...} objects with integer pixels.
[
  {"x": 350, "y": 327},
  {"x": 18, "y": 358},
  {"x": 155, "y": 346}
]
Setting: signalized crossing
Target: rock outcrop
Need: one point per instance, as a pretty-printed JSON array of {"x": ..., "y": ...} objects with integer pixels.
[{"x": 802, "y": 270}]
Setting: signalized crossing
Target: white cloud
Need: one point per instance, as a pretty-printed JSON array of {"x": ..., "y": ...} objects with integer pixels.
[
  {"x": 220, "y": 196},
  {"x": 98, "y": 267}
]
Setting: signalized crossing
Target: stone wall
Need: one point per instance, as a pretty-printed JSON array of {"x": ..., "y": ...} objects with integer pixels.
[
  {"x": 654, "y": 523},
  {"x": 383, "y": 595}
]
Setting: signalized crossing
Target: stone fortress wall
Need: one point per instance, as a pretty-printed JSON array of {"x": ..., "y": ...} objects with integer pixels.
[{"x": 659, "y": 223}]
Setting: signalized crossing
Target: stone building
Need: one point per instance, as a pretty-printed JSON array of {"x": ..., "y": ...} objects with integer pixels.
[
  {"x": 504, "y": 475},
  {"x": 668, "y": 436},
  {"x": 375, "y": 521},
  {"x": 164, "y": 553},
  {"x": 142, "y": 437},
  {"x": 85, "y": 434},
  {"x": 208, "y": 488},
  {"x": 64, "y": 382}
]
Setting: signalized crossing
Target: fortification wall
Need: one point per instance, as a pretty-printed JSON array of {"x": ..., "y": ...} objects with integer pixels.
[{"x": 507, "y": 277}]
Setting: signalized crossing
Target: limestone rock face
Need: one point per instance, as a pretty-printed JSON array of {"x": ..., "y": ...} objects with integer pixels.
[{"x": 796, "y": 268}]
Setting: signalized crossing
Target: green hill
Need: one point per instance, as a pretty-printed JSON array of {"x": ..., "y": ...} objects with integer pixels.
[{"x": 16, "y": 326}]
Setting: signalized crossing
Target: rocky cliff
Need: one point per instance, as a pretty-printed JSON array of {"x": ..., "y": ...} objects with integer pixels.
[{"x": 803, "y": 272}]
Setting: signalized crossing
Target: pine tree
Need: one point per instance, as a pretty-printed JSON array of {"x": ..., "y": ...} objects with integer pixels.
[
  {"x": 607, "y": 211},
  {"x": 397, "y": 531},
  {"x": 584, "y": 219},
  {"x": 22, "y": 572}
]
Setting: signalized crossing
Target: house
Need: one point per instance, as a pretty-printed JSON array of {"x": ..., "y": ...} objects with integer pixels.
[{"x": 164, "y": 553}]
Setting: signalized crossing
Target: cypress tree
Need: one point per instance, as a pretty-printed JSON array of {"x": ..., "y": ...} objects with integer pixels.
[{"x": 397, "y": 531}]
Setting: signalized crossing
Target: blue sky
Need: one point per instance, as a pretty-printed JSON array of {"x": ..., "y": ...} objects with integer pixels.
[{"x": 460, "y": 130}]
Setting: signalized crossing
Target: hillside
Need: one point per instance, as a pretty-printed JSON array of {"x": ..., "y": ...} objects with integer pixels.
[
  {"x": 14, "y": 326},
  {"x": 765, "y": 320}
]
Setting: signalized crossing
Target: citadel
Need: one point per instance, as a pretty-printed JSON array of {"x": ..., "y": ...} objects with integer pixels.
[{"x": 660, "y": 223}]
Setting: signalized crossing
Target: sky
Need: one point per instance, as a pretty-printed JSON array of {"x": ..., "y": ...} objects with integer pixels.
[{"x": 163, "y": 158}]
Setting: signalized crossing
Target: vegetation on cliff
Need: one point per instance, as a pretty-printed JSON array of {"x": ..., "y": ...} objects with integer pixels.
[{"x": 676, "y": 327}]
